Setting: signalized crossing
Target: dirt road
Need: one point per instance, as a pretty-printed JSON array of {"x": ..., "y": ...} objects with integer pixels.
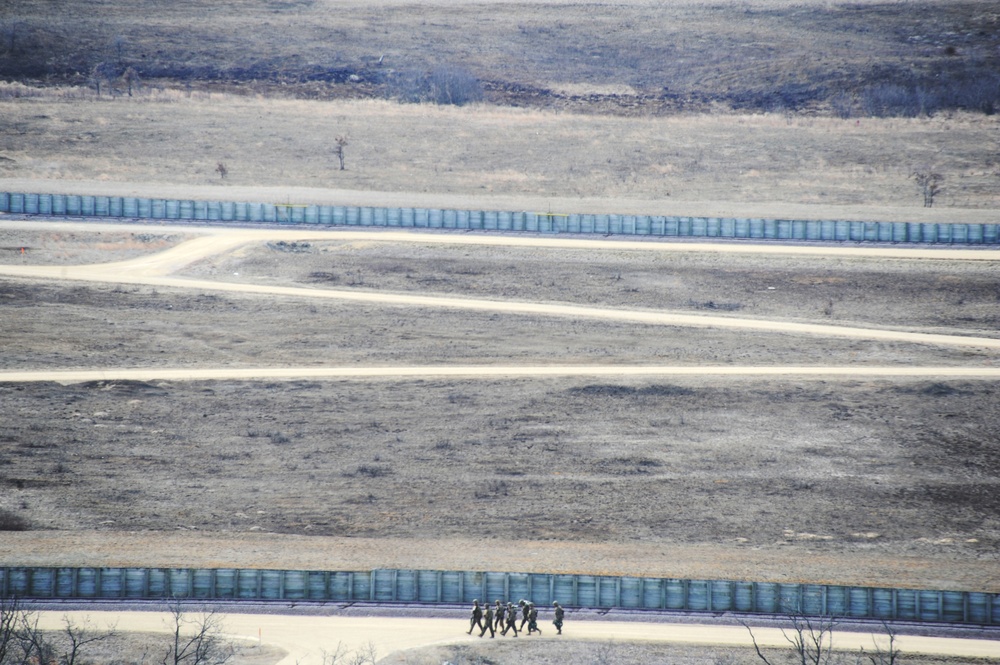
[
  {"x": 470, "y": 371},
  {"x": 306, "y": 637},
  {"x": 155, "y": 270}
]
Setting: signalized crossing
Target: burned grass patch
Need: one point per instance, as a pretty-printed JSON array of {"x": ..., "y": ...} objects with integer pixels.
[{"x": 615, "y": 390}]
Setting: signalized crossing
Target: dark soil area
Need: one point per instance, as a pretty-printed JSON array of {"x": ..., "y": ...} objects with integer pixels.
[
  {"x": 866, "y": 464},
  {"x": 862, "y": 58}
]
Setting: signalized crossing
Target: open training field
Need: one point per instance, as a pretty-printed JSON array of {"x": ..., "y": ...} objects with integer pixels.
[
  {"x": 463, "y": 401},
  {"x": 854, "y": 479}
]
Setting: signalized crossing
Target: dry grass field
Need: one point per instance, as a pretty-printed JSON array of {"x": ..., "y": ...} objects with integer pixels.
[
  {"x": 855, "y": 481},
  {"x": 677, "y": 164},
  {"x": 675, "y": 103},
  {"x": 757, "y": 108}
]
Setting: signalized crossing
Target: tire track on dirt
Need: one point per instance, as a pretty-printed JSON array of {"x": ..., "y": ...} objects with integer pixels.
[
  {"x": 144, "y": 274},
  {"x": 156, "y": 269}
]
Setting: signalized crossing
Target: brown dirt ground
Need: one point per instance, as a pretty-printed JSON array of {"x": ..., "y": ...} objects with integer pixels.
[{"x": 847, "y": 481}]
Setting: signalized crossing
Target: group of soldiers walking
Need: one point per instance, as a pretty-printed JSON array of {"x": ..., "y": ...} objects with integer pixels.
[{"x": 503, "y": 618}]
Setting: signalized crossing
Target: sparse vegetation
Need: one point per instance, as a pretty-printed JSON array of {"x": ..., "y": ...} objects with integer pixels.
[
  {"x": 699, "y": 159},
  {"x": 340, "y": 142},
  {"x": 930, "y": 183},
  {"x": 811, "y": 641},
  {"x": 617, "y": 652},
  {"x": 11, "y": 521},
  {"x": 935, "y": 56},
  {"x": 22, "y": 641},
  {"x": 197, "y": 638}
]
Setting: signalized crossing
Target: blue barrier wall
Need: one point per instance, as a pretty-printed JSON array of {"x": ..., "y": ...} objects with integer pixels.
[
  {"x": 638, "y": 225},
  {"x": 462, "y": 587}
]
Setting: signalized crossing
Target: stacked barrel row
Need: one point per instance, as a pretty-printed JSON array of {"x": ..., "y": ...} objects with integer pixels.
[
  {"x": 66, "y": 205},
  {"x": 462, "y": 587}
]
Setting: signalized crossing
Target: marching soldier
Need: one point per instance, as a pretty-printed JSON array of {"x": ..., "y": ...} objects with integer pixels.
[
  {"x": 533, "y": 620},
  {"x": 524, "y": 613},
  {"x": 511, "y": 619},
  {"x": 498, "y": 613},
  {"x": 558, "y": 621},
  {"x": 477, "y": 617},
  {"x": 488, "y": 622}
]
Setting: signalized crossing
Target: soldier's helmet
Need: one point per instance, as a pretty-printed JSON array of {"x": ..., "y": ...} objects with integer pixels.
[
  {"x": 522, "y": 602},
  {"x": 475, "y": 602},
  {"x": 555, "y": 603}
]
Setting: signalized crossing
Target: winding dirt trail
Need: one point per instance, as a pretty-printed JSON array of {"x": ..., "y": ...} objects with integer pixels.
[{"x": 157, "y": 270}]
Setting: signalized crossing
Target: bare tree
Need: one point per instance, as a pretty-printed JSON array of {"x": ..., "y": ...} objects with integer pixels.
[
  {"x": 31, "y": 641},
  {"x": 102, "y": 72},
  {"x": 96, "y": 77},
  {"x": 10, "y": 610},
  {"x": 604, "y": 653},
  {"x": 81, "y": 636},
  {"x": 341, "y": 142},
  {"x": 130, "y": 78},
  {"x": 366, "y": 655},
  {"x": 811, "y": 639},
  {"x": 887, "y": 655},
  {"x": 118, "y": 47},
  {"x": 335, "y": 657},
  {"x": 930, "y": 183},
  {"x": 197, "y": 639}
]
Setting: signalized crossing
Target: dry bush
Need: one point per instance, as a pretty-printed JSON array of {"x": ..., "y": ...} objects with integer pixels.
[{"x": 10, "y": 521}]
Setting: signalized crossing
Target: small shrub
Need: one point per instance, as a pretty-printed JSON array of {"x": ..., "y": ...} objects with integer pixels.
[
  {"x": 930, "y": 184},
  {"x": 454, "y": 86},
  {"x": 449, "y": 85},
  {"x": 842, "y": 105},
  {"x": 12, "y": 521},
  {"x": 278, "y": 438},
  {"x": 373, "y": 470},
  {"x": 893, "y": 100}
]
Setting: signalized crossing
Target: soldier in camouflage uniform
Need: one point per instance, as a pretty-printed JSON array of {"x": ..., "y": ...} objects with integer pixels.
[
  {"x": 560, "y": 613},
  {"x": 477, "y": 617},
  {"x": 511, "y": 620},
  {"x": 533, "y": 620},
  {"x": 524, "y": 613},
  {"x": 488, "y": 622},
  {"x": 498, "y": 614}
]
